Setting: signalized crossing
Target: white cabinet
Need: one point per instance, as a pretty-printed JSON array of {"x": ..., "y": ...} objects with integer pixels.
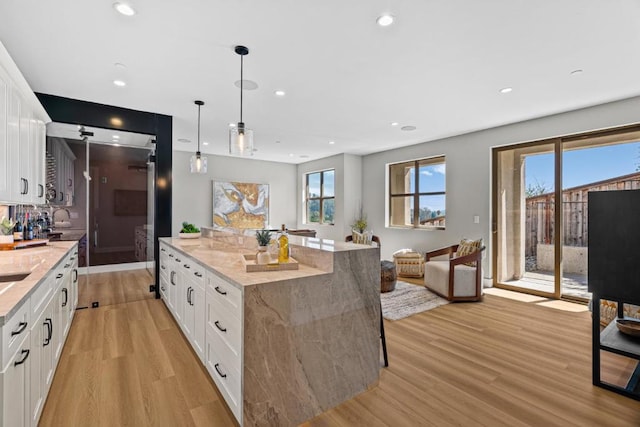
[
  {"x": 22, "y": 136},
  {"x": 15, "y": 387},
  {"x": 209, "y": 312}
]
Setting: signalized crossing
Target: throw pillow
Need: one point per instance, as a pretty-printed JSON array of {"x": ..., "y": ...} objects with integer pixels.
[
  {"x": 363, "y": 238},
  {"x": 467, "y": 247}
]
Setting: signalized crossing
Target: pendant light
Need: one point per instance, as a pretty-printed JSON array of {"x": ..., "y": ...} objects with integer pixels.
[
  {"x": 198, "y": 161},
  {"x": 241, "y": 138}
]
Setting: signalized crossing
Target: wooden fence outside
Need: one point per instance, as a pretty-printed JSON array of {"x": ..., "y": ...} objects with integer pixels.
[{"x": 540, "y": 227}]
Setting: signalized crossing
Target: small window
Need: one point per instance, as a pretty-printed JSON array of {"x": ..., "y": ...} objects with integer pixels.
[
  {"x": 320, "y": 197},
  {"x": 417, "y": 197}
]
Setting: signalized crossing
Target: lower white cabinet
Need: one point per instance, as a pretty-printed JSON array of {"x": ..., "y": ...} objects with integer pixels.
[
  {"x": 209, "y": 311},
  {"x": 34, "y": 337},
  {"x": 15, "y": 387}
]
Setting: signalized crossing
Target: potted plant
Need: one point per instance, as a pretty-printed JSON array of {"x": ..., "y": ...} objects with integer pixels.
[
  {"x": 6, "y": 230},
  {"x": 264, "y": 238},
  {"x": 189, "y": 231}
]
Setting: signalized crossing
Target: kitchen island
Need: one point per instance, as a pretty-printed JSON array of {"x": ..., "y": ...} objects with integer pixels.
[{"x": 282, "y": 346}]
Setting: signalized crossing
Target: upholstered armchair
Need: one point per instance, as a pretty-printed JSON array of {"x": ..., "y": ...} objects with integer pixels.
[{"x": 458, "y": 278}]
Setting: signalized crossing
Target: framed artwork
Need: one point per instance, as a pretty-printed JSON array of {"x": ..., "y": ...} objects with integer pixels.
[{"x": 240, "y": 205}]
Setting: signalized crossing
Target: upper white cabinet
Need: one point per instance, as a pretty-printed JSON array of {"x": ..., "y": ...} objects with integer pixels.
[{"x": 22, "y": 138}]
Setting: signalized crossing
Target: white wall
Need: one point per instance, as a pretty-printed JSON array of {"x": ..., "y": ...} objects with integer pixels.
[
  {"x": 348, "y": 189},
  {"x": 193, "y": 193},
  {"x": 468, "y": 159}
]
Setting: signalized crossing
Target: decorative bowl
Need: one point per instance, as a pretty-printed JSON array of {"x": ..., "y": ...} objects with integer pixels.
[
  {"x": 629, "y": 327},
  {"x": 189, "y": 235}
]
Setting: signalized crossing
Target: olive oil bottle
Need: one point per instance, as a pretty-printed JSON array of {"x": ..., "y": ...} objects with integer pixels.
[{"x": 283, "y": 243}]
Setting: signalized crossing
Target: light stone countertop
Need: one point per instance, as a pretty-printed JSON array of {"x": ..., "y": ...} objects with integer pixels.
[
  {"x": 39, "y": 261},
  {"x": 226, "y": 258}
]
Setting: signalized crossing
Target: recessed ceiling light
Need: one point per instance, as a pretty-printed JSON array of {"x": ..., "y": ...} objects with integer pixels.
[
  {"x": 506, "y": 89},
  {"x": 385, "y": 20},
  {"x": 116, "y": 137},
  {"x": 116, "y": 145},
  {"x": 290, "y": 154},
  {"x": 277, "y": 142},
  {"x": 394, "y": 123},
  {"x": 116, "y": 121},
  {"x": 576, "y": 72},
  {"x": 332, "y": 142},
  {"x": 184, "y": 140},
  {"x": 124, "y": 9},
  {"x": 408, "y": 128},
  {"x": 232, "y": 125},
  {"x": 119, "y": 83},
  {"x": 205, "y": 143},
  {"x": 280, "y": 93}
]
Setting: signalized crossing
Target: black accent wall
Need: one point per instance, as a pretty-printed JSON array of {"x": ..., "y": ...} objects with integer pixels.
[{"x": 74, "y": 111}]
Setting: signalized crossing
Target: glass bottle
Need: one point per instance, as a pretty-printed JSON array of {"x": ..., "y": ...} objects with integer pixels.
[
  {"x": 283, "y": 243},
  {"x": 17, "y": 230}
]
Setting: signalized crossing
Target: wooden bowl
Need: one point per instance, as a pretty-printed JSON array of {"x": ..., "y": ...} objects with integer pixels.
[{"x": 629, "y": 327}]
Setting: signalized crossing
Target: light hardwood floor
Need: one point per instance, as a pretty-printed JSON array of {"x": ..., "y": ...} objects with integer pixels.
[
  {"x": 114, "y": 288},
  {"x": 496, "y": 363}
]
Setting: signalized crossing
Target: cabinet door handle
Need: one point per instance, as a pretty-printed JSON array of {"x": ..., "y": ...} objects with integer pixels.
[
  {"x": 59, "y": 276},
  {"x": 67, "y": 265},
  {"x": 171, "y": 278},
  {"x": 163, "y": 267},
  {"x": 162, "y": 250},
  {"x": 219, "y": 371},
  {"x": 170, "y": 255},
  {"x": 21, "y": 361},
  {"x": 217, "y": 323},
  {"x": 65, "y": 291},
  {"x": 187, "y": 266},
  {"x": 41, "y": 192},
  {"x": 47, "y": 339},
  {"x": 188, "y": 290},
  {"x": 197, "y": 273},
  {"x": 75, "y": 272},
  {"x": 26, "y": 181},
  {"x": 218, "y": 290},
  {"x": 21, "y": 327},
  {"x": 50, "y": 328},
  {"x": 61, "y": 196},
  {"x": 178, "y": 260}
]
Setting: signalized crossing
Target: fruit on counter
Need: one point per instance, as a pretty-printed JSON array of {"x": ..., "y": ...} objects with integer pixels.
[
  {"x": 6, "y": 226},
  {"x": 189, "y": 228}
]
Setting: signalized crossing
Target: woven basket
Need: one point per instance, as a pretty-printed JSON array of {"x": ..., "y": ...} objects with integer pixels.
[{"x": 409, "y": 264}]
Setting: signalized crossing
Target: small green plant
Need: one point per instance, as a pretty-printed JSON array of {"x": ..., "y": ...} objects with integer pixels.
[
  {"x": 6, "y": 226},
  {"x": 263, "y": 237},
  {"x": 189, "y": 228},
  {"x": 360, "y": 223}
]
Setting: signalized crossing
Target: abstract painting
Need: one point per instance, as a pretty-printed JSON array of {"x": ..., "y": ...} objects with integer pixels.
[{"x": 240, "y": 205}]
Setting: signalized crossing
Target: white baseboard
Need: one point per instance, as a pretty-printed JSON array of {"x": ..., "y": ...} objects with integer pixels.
[{"x": 112, "y": 267}]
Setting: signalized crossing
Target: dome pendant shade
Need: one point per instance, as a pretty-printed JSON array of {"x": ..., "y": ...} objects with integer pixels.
[
  {"x": 198, "y": 162},
  {"x": 241, "y": 138}
]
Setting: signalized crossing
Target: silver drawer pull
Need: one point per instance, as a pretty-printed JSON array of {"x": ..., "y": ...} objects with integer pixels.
[
  {"x": 218, "y": 371},
  {"x": 217, "y": 323}
]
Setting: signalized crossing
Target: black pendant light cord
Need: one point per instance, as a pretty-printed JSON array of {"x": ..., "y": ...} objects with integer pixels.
[
  {"x": 198, "y": 128},
  {"x": 241, "y": 83}
]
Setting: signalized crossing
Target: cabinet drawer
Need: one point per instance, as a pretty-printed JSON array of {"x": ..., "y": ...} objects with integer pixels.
[
  {"x": 194, "y": 272},
  {"x": 227, "y": 379},
  {"x": 14, "y": 332},
  {"x": 225, "y": 293},
  {"x": 164, "y": 265},
  {"x": 41, "y": 296},
  {"x": 227, "y": 331}
]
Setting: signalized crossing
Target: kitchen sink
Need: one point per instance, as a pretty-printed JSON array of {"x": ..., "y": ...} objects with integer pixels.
[{"x": 13, "y": 277}]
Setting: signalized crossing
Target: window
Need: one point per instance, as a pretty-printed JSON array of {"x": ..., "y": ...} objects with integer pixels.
[
  {"x": 417, "y": 194},
  {"x": 320, "y": 197}
]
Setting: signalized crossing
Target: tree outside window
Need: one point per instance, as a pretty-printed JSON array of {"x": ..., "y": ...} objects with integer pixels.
[
  {"x": 320, "y": 197},
  {"x": 417, "y": 196}
]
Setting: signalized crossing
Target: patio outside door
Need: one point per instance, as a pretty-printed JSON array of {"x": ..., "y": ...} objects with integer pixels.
[{"x": 525, "y": 219}]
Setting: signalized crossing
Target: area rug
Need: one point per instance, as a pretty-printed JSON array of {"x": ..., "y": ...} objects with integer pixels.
[{"x": 407, "y": 300}]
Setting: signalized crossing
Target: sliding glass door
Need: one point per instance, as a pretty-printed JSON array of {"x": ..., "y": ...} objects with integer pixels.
[{"x": 540, "y": 205}]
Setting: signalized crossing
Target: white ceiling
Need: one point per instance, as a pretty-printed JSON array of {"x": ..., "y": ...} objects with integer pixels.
[{"x": 439, "y": 67}]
